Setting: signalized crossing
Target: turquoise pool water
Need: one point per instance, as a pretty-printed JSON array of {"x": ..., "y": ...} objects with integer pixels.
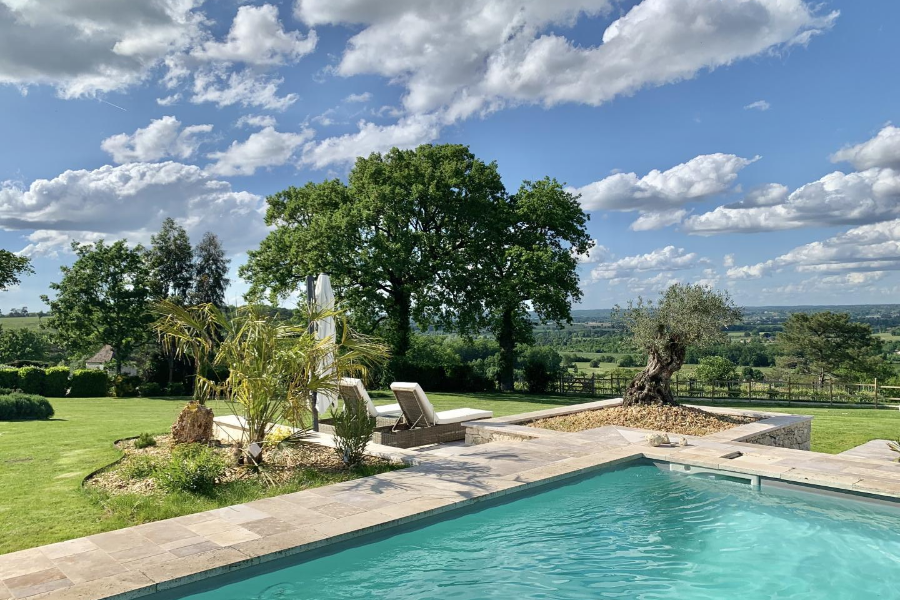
[{"x": 636, "y": 532}]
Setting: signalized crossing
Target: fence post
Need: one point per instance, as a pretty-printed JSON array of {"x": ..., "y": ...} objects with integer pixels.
[
  {"x": 750, "y": 387},
  {"x": 789, "y": 389},
  {"x": 611, "y": 388},
  {"x": 876, "y": 392},
  {"x": 676, "y": 386},
  {"x": 830, "y": 392}
]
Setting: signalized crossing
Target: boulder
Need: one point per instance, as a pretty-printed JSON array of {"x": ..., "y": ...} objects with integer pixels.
[{"x": 194, "y": 424}]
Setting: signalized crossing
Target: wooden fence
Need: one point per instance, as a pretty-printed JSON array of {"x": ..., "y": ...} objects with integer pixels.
[{"x": 831, "y": 392}]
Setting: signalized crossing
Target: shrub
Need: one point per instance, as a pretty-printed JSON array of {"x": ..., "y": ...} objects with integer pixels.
[
  {"x": 595, "y": 363},
  {"x": 139, "y": 467},
  {"x": 145, "y": 440},
  {"x": 31, "y": 380},
  {"x": 57, "y": 382},
  {"x": 175, "y": 389},
  {"x": 628, "y": 361},
  {"x": 18, "y": 406},
  {"x": 192, "y": 468},
  {"x": 89, "y": 383},
  {"x": 716, "y": 368},
  {"x": 540, "y": 366},
  {"x": 150, "y": 389},
  {"x": 125, "y": 386},
  {"x": 352, "y": 432},
  {"x": 9, "y": 378}
]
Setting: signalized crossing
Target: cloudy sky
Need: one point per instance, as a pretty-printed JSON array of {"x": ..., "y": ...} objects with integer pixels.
[{"x": 745, "y": 144}]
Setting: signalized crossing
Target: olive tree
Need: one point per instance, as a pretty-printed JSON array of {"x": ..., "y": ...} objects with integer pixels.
[{"x": 684, "y": 315}]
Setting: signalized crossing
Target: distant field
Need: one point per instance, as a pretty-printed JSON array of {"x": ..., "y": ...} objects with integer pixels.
[
  {"x": 20, "y": 322},
  {"x": 890, "y": 337}
]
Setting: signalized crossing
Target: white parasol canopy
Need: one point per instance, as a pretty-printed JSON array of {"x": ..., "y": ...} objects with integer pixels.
[{"x": 325, "y": 329}]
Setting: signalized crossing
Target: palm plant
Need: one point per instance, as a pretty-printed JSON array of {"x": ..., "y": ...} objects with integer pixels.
[
  {"x": 895, "y": 446},
  {"x": 274, "y": 367}
]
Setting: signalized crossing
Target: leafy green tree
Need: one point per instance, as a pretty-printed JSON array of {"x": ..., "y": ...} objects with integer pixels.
[
  {"x": 12, "y": 267},
  {"x": 23, "y": 344},
  {"x": 829, "y": 344},
  {"x": 392, "y": 238},
  {"x": 541, "y": 366},
  {"x": 685, "y": 315},
  {"x": 103, "y": 298},
  {"x": 716, "y": 368},
  {"x": 526, "y": 259},
  {"x": 210, "y": 272},
  {"x": 171, "y": 261}
]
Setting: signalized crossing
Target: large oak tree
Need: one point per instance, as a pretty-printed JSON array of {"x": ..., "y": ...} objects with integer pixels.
[{"x": 393, "y": 238}]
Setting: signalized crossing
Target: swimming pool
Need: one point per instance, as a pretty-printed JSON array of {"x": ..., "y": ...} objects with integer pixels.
[{"x": 636, "y": 532}]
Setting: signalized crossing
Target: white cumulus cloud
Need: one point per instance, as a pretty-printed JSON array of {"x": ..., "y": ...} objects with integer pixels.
[
  {"x": 882, "y": 151},
  {"x": 257, "y": 37},
  {"x": 669, "y": 258},
  {"x": 162, "y": 138},
  {"x": 265, "y": 148},
  {"x": 130, "y": 200}
]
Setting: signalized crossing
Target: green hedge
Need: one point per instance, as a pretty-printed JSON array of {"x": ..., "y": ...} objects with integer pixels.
[
  {"x": 9, "y": 378},
  {"x": 31, "y": 380},
  {"x": 57, "y": 382},
  {"x": 89, "y": 383},
  {"x": 17, "y": 406}
]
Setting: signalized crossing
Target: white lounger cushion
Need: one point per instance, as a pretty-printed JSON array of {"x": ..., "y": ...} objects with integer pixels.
[
  {"x": 446, "y": 417},
  {"x": 391, "y": 410},
  {"x": 460, "y": 415},
  {"x": 388, "y": 410}
]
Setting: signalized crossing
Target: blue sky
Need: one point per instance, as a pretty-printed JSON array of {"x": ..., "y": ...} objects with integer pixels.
[{"x": 747, "y": 145}]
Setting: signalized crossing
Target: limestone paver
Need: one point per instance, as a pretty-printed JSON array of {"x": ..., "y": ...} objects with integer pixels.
[
  {"x": 88, "y": 566},
  {"x": 23, "y": 563},
  {"x": 37, "y": 582}
]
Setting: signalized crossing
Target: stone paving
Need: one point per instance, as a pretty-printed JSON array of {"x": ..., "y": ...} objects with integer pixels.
[{"x": 141, "y": 560}]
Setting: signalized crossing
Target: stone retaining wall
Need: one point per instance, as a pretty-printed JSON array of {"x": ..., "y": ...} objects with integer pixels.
[{"x": 796, "y": 436}]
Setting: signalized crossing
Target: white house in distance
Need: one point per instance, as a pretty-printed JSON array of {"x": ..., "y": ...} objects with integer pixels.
[{"x": 104, "y": 360}]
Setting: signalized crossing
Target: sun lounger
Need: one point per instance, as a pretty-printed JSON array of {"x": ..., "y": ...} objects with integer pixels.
[
  {"x": 419, "y": 412},
  {"x": 355, "y": 396}
]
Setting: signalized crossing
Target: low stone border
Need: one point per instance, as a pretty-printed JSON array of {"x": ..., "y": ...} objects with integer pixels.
[{"x": 773, "y": 429}]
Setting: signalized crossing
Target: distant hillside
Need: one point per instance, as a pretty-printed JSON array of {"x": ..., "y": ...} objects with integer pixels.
[{"x": 20, "y": 322}]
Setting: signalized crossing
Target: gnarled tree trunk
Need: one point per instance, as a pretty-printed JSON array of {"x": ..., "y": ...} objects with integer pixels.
[{"x": 652, "y": 385}]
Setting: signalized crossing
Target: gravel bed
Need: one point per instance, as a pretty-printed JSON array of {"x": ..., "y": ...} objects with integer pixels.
[{"x": 682, "y": 420}]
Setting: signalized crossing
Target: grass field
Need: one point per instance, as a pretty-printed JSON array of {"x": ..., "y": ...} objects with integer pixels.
[
  {"x": 42, "y": 463},
  {"x": 20, "y": 322}
]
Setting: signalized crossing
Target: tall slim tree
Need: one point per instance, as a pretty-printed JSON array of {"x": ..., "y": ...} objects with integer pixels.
[
  {"x": 12, "y": 267},
  {"x": 391, "y": 238},
  {"x": 103, "y": 298},
  {"x": 526, "y": 260},
  {"x": 171, "y": 261},
  {"x": 210, "y": 272}
]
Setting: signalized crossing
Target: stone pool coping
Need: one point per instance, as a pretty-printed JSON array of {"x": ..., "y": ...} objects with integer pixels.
[{"x": 141, "y": 560}]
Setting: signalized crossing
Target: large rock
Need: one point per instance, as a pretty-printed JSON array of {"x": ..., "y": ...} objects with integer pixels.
[{"x": 194, "y": 424}]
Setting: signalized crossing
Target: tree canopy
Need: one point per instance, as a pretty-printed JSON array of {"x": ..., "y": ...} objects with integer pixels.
[
  {"x": 685, "y": 315},
  {"x": 210, "y": 272},
  {"x": 12, "y": 267},
  {"x": 391, "y": 238},
  {"x": 527, "y": 262},
  {"x": 171, "y": 263},
  {"x": 829, "y": 343},
  {"x": 102, "y": 299}
]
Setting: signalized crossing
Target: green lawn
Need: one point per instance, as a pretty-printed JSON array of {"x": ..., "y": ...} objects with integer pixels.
[
  {"x": 20, "y": 322},
  {"x": 42, "y": 463}
]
